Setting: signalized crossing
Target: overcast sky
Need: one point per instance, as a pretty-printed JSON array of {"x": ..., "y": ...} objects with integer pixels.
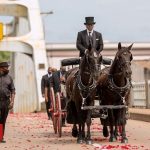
[{"x": 117, "y": 20}]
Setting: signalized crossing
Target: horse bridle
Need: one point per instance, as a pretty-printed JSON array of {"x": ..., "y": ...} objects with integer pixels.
[
  {"x": 90, "y": 67},
  {"x": 120, "y": 64}
]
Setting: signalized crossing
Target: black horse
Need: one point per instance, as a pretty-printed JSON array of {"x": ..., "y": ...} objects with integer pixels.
[
  {"x": 114, "y": 85},
  {"x": 80, "y": 90}
]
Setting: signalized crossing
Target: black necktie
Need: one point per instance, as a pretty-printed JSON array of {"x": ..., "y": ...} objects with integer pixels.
[{"x": 90, "y": 39}]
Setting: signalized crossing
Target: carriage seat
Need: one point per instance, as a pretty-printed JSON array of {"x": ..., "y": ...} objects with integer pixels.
[
  {"x": 106, "y": 61},
  {"x": 70, "y": 61}
]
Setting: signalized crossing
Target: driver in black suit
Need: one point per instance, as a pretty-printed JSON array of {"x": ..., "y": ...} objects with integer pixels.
[{"x": 89, "y": 37}]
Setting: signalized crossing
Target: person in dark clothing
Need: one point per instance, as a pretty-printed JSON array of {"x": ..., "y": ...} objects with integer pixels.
[
  {"x": 57, "y": 82},
  {"x": 44, "y": 81},
  {"x": 7, "y": 94},
  {"x": 89, "y": 38},
  {"x": 58, "y": 77}
]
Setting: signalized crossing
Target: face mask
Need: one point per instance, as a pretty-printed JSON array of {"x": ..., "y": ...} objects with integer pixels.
[
  {"x": 49, "y": 73},
  {"x": 63, "y": 72},
  {"x": 5, "y": 71}
]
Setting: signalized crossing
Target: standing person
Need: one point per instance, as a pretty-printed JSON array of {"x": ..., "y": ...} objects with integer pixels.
[
  {"x": 58, "y": 78},
  {"x": 44, "y": 81},
  {"x": 89, "y": 38},
  {"x": 7, "y": 94},
  {"x": 58, "y": 83}
]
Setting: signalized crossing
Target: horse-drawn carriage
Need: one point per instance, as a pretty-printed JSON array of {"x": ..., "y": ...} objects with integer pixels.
[
  {"x": 58, "y": 100},
  {"x": 111, "y": 85}
]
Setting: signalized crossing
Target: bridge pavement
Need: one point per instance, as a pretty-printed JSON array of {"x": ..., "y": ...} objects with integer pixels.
[{"x": 34, "y": 132}]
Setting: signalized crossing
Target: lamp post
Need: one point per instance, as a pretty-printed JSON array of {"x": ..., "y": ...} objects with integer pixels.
[{"x": 45, "y": 14}]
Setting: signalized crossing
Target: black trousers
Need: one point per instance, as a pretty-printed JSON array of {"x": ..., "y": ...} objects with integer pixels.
[
  {"x": 63, "y": 105},
  {"x": 3, "y": 115},
  {"x": 48, "y": 106}
]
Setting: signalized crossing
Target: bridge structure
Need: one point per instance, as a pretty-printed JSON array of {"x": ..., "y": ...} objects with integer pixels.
[
  {"x": 24, "y": 37},
  {"x": 140, "y": 51}
]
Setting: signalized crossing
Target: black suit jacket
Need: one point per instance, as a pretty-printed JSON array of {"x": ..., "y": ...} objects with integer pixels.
[
  {"x": 82, "y": 42},
  {"x": 44, "y": 82},
  {"x": 55, "y": 81}
]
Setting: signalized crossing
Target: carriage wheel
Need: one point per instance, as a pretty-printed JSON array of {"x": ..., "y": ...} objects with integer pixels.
[
  {"x": 59, "y": 120},
  {"x": 53, "y": 109}
]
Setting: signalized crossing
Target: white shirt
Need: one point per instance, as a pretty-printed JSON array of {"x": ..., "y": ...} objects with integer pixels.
[
  {"x": 49, "y": 75},
  {"x": 91, "y": 32}
]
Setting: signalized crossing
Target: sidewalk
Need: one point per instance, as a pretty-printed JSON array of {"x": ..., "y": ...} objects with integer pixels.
[{"x": 141, "y": 114}]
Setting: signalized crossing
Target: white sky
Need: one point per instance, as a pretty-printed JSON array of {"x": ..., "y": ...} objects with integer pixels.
[{"x": 117, "y": 20}]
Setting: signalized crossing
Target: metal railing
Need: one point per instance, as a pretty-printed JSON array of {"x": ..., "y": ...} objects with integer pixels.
[{"x": 141, "y": 94}]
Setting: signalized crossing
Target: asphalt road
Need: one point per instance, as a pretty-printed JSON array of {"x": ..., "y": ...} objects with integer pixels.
[{"x": 34, "y": 132}]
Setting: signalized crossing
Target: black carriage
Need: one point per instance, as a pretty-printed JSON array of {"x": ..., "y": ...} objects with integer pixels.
[
  {"x": 56, "y": 99},
  {"x": 102, "y": 109}
]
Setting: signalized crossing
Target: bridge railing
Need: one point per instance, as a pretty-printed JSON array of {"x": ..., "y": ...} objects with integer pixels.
[{"x": 141, "y": 94}]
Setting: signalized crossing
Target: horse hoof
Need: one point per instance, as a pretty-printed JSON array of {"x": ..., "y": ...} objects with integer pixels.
[
  {"x": 79, "y": 141},
  {"x": 124, "y": 140},
  {"x": 116, "y": 138},
  {"x": 105, "y": 131},
  {"x": 112, "y": 139},
  {"x": 89, "y": 142},
  {"x": 74, "y": 133}
]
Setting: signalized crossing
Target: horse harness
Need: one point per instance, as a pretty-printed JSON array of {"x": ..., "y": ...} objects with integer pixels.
[
  {"x": 85, "y": 89},
  {"x": 121, "y": 91}
]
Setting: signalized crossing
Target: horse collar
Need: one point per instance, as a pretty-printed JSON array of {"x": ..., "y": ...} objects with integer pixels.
[
  {"x": 83, "y": 87},
  {"x": 112, "y": 86}
]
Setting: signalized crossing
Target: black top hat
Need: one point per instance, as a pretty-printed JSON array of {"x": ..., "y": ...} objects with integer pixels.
[
  {"x": 89, "y": 20},
  {"x": 4, "y": 64}
]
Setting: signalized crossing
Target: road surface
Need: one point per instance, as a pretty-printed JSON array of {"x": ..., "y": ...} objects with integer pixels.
[{"x": 34, "y": 132}]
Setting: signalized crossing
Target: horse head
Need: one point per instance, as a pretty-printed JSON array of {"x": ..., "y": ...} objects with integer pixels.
[
  {"x": 123, "y": 60},
  {"x": 91, "y": 63},
  {"x": 87, "y": 73}
]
